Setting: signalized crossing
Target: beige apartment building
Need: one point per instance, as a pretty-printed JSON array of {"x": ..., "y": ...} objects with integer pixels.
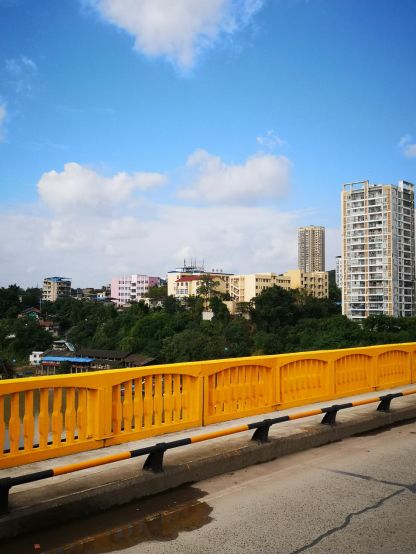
[
  {"x": 181, "y": 288},
  {"x": 55, "y": 288},
  {"x": 244, "y": 288},
  {"x": 378, "y": 250},
  {"x": 188, "y": 286},
  {"x": 315, "y": 283},
  {"x": 311, "y": 248}
]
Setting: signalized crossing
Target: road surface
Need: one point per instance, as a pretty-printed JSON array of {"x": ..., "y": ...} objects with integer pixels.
[{"x": 354, "y": 496}]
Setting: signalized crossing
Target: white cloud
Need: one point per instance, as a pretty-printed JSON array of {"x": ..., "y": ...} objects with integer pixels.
[
  {"x": 408, "y": 148},
  {"x": 17, "y": 66},
  {"x": 78, "y": 187},
  {"x": 93, "y": 249},
  {"x": 404, "y": 140},
  {"x": 92, "y": 228},
  {"x": 270, "y": 140},
  {"x": 3, "y": 114},
  {"x": 22, "y": 72},
  {"x": 262, "y": 176},
  {"x": 177, "y": 29}
]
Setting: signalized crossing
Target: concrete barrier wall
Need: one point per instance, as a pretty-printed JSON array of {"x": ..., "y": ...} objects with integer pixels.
[{"x": 45, "y": 417}]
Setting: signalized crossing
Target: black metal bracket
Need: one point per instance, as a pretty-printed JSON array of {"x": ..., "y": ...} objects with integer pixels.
[
  {"x": 262, "y": 432},
  {"x": 5, "y": 485},
  {"x": 330, "y": 416},
  {"x": 384, "y": 406},
  {"x": 154, "y": 461}
]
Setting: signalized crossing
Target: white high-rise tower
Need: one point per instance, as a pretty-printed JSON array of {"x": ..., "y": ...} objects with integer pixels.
[{"x": 378, "y": 250}]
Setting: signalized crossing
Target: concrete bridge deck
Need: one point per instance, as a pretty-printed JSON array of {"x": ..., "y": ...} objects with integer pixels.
[{"x": 59, "y": 499}]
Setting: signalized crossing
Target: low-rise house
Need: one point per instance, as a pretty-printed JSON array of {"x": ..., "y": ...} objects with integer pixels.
[
  {"x": 65, "y": 360},
  {"x": 32, "y": 313},
  {"x": 34, "y": 358}
]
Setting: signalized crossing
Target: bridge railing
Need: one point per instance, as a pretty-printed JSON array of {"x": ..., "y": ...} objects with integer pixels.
[{"x": 45, "y": 417}]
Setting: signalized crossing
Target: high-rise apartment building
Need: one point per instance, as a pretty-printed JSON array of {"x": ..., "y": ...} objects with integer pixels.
[
  {"x": 55, "y": 288},
  {"x": 338, "y": 271},
  {"x": 132, "y": 288},
  {"x": 311, "y": 248},
  {"x": 378, "y": 253}
]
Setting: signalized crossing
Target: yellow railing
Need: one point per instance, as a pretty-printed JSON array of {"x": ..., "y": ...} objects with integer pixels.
[{"x": 45, "y": 417}]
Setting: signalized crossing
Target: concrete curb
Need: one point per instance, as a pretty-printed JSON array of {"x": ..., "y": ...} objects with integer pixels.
[{"x": 76, "y": 498}]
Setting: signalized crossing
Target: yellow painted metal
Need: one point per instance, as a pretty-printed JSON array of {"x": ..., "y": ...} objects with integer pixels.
[
  {"x": 304, "y": 381},
  {"x": 353, "y": 374},
  {"x": 394, "y": 368},
  {"x": 51, "y": 416},
  {"x": 235, "y": 388}
]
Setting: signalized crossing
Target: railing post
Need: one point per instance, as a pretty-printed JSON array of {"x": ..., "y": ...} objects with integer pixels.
[
  {"x": 261, "y": 434},
  {"x": 384, "y": 406},
  {"x": 154, "y": 461},
  {"x": 330, "y": 415},
  {"x": 5, "y": 485}
]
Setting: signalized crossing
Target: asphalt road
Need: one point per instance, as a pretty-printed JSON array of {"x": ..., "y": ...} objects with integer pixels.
[{"x": 354, "y": 496}]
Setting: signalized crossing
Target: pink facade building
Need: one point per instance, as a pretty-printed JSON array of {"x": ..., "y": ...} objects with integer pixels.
[{"x": 126, "y": 289}]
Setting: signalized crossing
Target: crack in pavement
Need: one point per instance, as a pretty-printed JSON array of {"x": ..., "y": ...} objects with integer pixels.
[
  {"x": 347, "y": 521},
  {"x": 410, "y": 487}
]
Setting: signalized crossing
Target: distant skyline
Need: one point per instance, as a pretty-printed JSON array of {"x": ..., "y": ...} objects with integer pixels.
[{"x": 135, "y": 134}]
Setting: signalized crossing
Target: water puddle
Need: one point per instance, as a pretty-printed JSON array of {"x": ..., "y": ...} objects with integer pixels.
[{"x": 159, "y": 518}]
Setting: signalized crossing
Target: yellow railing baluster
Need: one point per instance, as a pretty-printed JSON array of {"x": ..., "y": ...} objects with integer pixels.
[
  {"x": 174, "y": 397},
  {"x": 185, "y": 397},
  {"x": 81, "y": 415},
  {"x": 158, "y": 401},
  {"x": 70, "y": 415},
  {"x": 14, "y": 423},
  {"x": 148, "y": 402},
  {"x": 117, "y": 409},
  {"x": 138, "y": 404},
  {"x": 57, "y": 423},
  {"x": 28, "y": 422},
  {"x": 167, "y": 399},
  {"x": 127, "y": 406},
  {"x": 43, "y": 419},
  {"x": 2, "y": 425},
  {"x": 219, "y": 390}
]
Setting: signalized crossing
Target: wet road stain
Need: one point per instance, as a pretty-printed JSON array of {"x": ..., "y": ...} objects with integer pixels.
[
  {"x": 159, "y": 518},
  {"x": 386, "y": 428}
]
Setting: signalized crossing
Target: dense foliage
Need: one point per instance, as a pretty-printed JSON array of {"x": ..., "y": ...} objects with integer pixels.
[{"x": 281, "y": 321}]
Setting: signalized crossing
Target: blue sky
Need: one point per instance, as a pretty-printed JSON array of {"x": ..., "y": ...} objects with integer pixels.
[{"x": 137, "y": 133}]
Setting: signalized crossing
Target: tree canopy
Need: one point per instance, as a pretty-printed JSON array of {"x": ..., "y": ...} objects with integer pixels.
[{"x": 278, "y": 321}]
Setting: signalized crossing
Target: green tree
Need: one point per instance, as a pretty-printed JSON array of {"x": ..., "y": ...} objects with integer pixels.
[
  {"x": 238, "y": 338},
  {"x": 191, "y": 345},
  {"x": 334, "y": 292},
  {"x": 158, "y": 292},
  {"x": 220, "y": 311},
  {"x": 10, "y": 301},
  {"x": 274, "y": 308},
  {"x": 207, "y": 288}
]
